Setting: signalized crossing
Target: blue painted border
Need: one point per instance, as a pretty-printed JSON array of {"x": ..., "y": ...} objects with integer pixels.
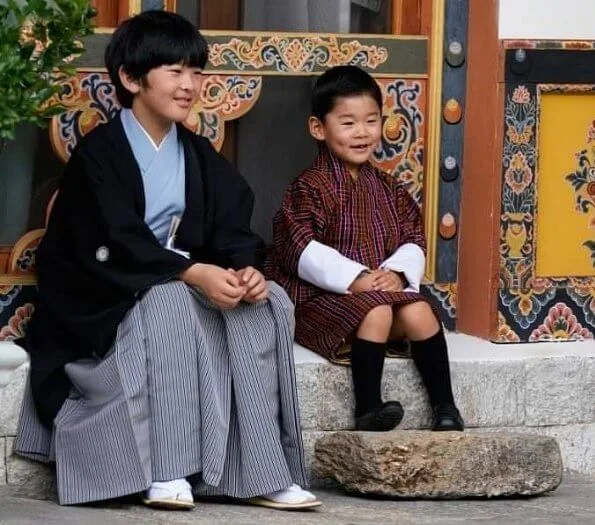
[{"x": 454, "y": 83}]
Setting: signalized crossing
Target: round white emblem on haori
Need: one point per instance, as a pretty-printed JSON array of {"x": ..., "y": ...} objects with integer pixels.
[{"x": 102, "y": 254}]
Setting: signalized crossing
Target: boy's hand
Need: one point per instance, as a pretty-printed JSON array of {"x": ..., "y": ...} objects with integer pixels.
[
  {"x": 221, "y": 286},
  {"x": 364, "y": 283},
  {"x": 388, "y": 281},
  {"x": 256, "y": 286}
]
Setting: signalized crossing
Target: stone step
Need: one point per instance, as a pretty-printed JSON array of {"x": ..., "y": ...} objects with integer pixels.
[
  {"x": 542, "y": 389},
  {"x": 440, "y": 465},
  {"x": 576, "y": 445},
  {"x": 539, "y": 386},
  {"x": 32, "y": 479},
  {"x": 531, "y": 385}
]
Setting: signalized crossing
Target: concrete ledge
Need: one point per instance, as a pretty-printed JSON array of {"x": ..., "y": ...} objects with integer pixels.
[
  {"x": 495, "y": 386},
  {"x": 2, "y": 461}
]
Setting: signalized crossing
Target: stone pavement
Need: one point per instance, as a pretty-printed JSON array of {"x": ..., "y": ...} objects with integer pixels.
[{"x": 572, "y": 503}]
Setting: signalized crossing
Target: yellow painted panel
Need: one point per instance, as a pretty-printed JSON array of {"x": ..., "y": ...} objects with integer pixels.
[{"x": 565, "y": 121}]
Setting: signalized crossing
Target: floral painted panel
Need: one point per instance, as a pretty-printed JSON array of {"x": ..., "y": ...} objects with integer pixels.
[{"x": 533, "y": 308}]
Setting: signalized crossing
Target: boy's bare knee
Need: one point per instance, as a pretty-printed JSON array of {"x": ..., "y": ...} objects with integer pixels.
[
  {"x": 417, "y": 310},
  {"x": 377, "y": 323},
  {"x": 382, "y": 315},
  {"x": 417, "y": 320}
]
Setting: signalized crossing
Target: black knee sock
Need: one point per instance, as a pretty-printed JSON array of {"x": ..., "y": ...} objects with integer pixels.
[
  {"x": 367, "y": 361},
  {"x": 431, "y": 359}
]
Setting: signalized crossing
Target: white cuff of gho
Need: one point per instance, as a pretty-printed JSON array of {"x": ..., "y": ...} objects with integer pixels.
[
  {"x": 410, "y": 260},
  {"x": 328, "y": 269}
]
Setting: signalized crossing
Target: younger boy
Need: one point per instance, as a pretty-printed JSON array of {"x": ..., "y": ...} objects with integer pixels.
[{"x": 349, "y": 250}]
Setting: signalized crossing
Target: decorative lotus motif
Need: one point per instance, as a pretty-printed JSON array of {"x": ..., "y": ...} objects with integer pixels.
[
  {"x": 560, "y": 324},
  {"x": 17, "y": 324}
]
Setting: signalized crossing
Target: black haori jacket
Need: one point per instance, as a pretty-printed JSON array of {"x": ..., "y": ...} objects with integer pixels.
[{"x": 98, "y": 256}]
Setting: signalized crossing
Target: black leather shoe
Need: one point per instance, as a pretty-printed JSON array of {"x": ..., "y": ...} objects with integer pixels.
[
  {"x": 447, "y": 417},
  {"x": 386, "y": 417}
]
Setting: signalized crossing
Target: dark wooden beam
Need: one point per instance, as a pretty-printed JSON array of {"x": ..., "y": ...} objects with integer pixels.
[
  {"x": 107, "y": 12},
  {"x": 223, "y": 14}
]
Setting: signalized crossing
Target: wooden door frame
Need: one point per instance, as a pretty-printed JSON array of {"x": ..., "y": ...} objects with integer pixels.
[{"x": 478, "y": 270}]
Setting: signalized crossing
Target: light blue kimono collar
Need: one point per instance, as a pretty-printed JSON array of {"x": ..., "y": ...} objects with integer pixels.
[{"x": 143, "y": 147}]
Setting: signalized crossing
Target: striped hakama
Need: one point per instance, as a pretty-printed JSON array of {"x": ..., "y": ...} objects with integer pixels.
[
  {"x": 186, "y": 388},
  {"x": 366, "y": 220}
]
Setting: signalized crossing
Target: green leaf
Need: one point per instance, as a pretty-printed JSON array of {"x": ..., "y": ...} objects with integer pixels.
[{"x": 29, "y": 78}]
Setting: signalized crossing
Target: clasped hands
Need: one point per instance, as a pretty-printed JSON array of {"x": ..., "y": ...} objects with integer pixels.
[
  {"x": 226, "y": 288},
  {"x": 381, "y": 280}
]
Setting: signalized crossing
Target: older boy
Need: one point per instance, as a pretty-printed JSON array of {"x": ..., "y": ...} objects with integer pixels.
[{"x": 158, "y": 351}]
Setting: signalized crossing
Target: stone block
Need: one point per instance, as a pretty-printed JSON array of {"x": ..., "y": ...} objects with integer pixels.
[
  {"x": 310, "y": 393},
  {"x": 11, "y": 357},
  {"x": 440, "y": 465},
  {"x": 310, "y": 437},
  {"x": 577, "y": 444},
  {"x": 2, "y": 461},
  {"x": 401, "y": 382},
  {"x": 560, "y": 390},
  {"x": 11, "y": 397},
  {"x": 28, "y": 478},
  {"x": 337, "y": 402},
  {"x": 490, "y": 393}
]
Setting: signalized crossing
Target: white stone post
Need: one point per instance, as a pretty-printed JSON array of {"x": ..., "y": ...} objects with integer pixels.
[{"x": 11, "y": 357}]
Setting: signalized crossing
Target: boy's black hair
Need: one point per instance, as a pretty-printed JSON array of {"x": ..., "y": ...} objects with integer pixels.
[
  {"x": 342, "y": 81},
  {"x": 150, "y": 40}
]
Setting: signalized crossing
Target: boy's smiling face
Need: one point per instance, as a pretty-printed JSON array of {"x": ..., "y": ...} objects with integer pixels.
[
  {"x": 351, "y": 130},
  {"x": 165, "y": 95}
]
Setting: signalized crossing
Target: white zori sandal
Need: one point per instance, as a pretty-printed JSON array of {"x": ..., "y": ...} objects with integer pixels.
[
  {"x": 291, "y": 498},
  {"x": 170, "y": 495}
]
